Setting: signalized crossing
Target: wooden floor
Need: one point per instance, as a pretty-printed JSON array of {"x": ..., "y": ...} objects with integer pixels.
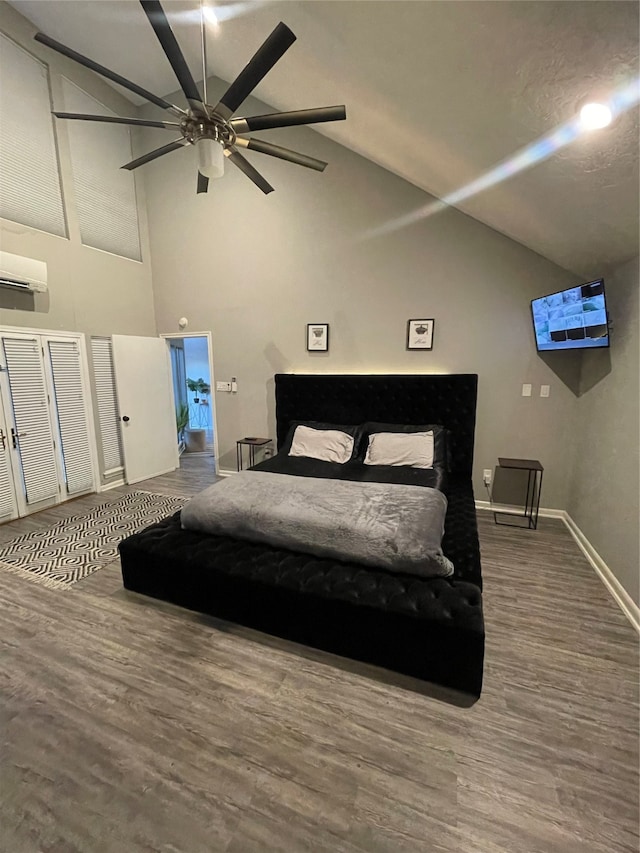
[{"x": 129, "y": 725}]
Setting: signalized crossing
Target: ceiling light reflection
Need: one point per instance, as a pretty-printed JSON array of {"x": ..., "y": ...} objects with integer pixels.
[
  {"x": 620, "y": 101},
  {"x": 595, "y": 116},
  {"x": 216, "y": 13}
]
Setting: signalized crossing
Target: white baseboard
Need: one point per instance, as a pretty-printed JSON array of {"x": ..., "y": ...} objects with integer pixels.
[
  {"x": 619, "y": 594},
  {"x": 225, "y": 472},
  {"x": 503, "y": 509},
  {"x": 112, "y": 485}
]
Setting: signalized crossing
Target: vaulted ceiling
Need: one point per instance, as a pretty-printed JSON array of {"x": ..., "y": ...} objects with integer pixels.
[{"x": 436, "y": 92}]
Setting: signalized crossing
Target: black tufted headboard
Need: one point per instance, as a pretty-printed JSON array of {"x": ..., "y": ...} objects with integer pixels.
[{"x": 448, "y": 399}]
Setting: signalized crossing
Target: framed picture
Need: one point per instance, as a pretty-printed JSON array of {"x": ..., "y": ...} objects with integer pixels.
[
  {"x": 420, "y": 334},
  {"x": 317, "y": 337}
]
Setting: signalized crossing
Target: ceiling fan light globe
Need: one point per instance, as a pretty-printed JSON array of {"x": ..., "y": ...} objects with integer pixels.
[{"x": 210, "y": 158}]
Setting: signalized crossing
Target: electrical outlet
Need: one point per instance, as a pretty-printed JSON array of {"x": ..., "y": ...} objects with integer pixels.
[
  {"x": 544, "y": 390},
  {"x": 486, "y": 476},
  {"x": 223, "y": 386},
  {"x": 526, "y": 390}
]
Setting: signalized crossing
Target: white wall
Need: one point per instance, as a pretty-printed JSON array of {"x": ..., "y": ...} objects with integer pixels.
[
  {"x": 256, "y": 269},
  {"x": 89, "y": 290},
  {"x": 604, "y": 494}
]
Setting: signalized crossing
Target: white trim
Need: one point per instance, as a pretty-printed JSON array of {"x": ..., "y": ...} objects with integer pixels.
[
  {"x": 225, "y": 472},
  {"x": 155, "y": 474},
  {"x": 104, "y": 487},
  {"x": 619, "y": 594},
  {"x": 615, "y": 588},
  {"x": 214, "y": 408},
  {"x": 503, "y": 509}
]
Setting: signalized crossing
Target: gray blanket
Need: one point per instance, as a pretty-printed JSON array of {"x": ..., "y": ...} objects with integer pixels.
[{"x": 378, "y": 524}]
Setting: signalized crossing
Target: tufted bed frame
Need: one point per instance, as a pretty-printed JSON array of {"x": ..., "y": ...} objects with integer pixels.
[{"x": 428, "y": 629}]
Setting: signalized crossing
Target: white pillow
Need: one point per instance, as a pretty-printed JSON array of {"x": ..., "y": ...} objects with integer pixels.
[
  {"x": 400, "y": 448},
  {"x": 328, "y": 445}
]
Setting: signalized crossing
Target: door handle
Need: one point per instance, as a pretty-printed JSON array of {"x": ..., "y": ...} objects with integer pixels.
[
  {"x": 15, "y": 436},
  {"x": 3, "y": 439},
  {"x": 126, "y": 419}
]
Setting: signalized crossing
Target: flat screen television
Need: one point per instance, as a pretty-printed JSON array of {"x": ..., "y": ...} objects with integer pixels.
[{"x": 571, "y": 319}]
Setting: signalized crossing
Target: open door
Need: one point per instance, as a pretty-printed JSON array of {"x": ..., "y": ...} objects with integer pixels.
[{"x": 145, "y": 402}]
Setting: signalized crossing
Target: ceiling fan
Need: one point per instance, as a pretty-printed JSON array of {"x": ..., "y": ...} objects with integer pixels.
[{"x": 211, "y": 129}]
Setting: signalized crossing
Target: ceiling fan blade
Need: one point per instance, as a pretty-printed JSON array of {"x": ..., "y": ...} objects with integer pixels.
[
  {"x": 245, "y": 166},
  {"x": 267, "y": 122},
  {"x": 260, "y": 64},
  {"x": 203, "y": 183},
  {"x": 153, "y": 155},
  {"x": 282, "y": 153},
  {"x": 158, "y": 20},
  {"x": 105, "y": 72},
  {"x": 135, "y": 122}
]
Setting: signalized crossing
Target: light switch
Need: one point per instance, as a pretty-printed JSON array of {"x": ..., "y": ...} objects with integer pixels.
[
  {"x": 544, "y": 390},
  {"x": 526, "y": 390},
  {"x": 223, "y": 386}
]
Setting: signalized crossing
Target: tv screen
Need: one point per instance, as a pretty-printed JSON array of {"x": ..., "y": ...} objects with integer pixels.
[{"x": 571, "y": 319}]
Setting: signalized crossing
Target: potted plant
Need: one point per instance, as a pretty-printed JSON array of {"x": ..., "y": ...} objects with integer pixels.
[
  {"x": 196, "y": 438},
  {"x": 194, "y": 386},
  {"x": 204, "y": 390},
  {"x": 182, "y": 420}
]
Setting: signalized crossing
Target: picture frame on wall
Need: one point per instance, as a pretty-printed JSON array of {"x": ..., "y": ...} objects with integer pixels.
[
  {"x": 420, "y": 334},
  {"x": 317, "y": 337}
]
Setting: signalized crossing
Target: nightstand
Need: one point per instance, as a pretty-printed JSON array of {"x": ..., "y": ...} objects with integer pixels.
[
  {"x": 520, "y": 481},
  {"x": 251, "y": 442}
]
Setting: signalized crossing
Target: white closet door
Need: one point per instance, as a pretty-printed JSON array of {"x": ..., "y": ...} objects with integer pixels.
[
  {"x": 107, "y": 404},
  {"x": 33, "y": 435},
  {"x": 66, "y": 370},
  {"x": 8, "y": 505}
]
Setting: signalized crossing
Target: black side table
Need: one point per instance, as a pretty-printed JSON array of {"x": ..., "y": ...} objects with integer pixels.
[
  {"x": 530, "y": 484},
  {"x": 251, "y": 443}
]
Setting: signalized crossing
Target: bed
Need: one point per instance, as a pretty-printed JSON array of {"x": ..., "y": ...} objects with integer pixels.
[{"x": 430, "y": 629}]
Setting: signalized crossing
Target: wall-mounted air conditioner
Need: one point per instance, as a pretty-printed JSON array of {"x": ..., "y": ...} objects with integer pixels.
[{"x": 22, "y": 273}]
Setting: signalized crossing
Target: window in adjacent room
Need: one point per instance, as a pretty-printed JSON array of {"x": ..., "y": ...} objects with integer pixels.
[
  {"x": 105, "y": 194},
  {"x": 30, "y": 191}
]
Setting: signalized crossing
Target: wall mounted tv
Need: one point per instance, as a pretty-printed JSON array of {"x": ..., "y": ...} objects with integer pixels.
[{"x": 571, "y": 319}]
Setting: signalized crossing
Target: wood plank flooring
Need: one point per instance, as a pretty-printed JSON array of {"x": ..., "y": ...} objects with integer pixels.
[{"x": 128, "y": 725}]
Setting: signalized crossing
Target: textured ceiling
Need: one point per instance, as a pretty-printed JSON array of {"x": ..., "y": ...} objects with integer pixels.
[{"x": 436, "y": 92}]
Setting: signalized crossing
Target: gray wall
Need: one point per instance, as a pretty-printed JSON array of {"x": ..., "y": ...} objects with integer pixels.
[
  {"x": 255, "y": 269},
  {"x": 605, "y": 483},
  {"x": 89, "y": 290}
]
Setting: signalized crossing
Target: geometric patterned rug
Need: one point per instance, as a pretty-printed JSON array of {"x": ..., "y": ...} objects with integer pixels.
[{"x": 73, "y": 549}]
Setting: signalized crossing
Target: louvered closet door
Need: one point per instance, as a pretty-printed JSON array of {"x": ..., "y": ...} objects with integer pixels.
[
  {"x": 66, "y": 369},
  {"x": 8, "y": 505},
  {"x": 107, "y": 405},
  {"x": 33, "y": 432}
]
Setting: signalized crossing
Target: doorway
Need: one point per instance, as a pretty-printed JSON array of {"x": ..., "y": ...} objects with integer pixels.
[{"x": 193, "y": 383}]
